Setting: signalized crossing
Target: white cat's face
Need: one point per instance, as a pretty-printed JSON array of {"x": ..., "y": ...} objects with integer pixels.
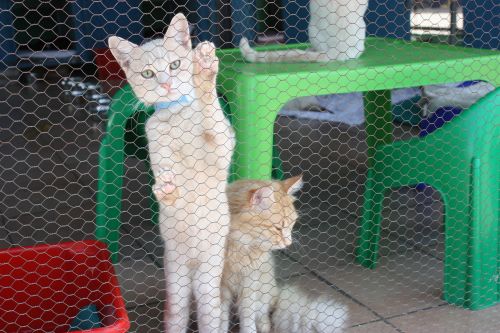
[{"x": 160, "y": 70}]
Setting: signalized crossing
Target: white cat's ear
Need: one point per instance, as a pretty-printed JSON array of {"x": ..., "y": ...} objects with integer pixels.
[
  {"x": 293, "y": 184},
  {"x": 262, "y": 198},
  {"x": 121, "y": 50},
  {"x": 179, "y": 31}
]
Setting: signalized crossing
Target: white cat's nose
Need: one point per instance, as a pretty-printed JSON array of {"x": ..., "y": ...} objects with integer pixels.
[{"x": 166, "y": 86}]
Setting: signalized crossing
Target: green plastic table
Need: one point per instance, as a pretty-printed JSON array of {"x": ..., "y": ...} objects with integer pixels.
[{"x": 255, "y": 92}]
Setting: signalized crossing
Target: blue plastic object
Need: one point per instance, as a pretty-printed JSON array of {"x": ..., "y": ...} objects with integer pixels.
[
  {"x": 87, "y": 318},
  {"x": 438, "y": 119}
]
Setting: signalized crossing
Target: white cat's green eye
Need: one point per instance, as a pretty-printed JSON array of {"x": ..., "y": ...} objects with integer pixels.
[
  {"x": 147, "y": 74},
  {"x": 174, "y": 65}
]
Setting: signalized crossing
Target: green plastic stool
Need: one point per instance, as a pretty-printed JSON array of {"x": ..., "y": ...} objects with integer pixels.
[
  {"x": 461, "y": 160},
  {"x": 125, "y": 136}
]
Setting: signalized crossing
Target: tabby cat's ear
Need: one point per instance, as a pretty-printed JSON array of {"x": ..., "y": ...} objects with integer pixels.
[
  {"x": 262, "y": 198},
  {"x": 179, "y": 31},
  {"x": 121, "y": 50},
  {"x": 293, "y": 184}
]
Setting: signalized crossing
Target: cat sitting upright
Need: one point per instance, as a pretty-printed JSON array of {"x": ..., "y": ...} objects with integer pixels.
[
  {"x": 336, "y": 32},
  {"x": 190, "y": 146},
  {"x": 262, "y": 219}
]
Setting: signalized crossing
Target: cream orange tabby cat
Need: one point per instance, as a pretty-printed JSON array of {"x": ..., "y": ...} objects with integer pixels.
[
  {"x": 190, "y": 147},
  {"x": 262, "y": 219},
  {"x": 336, "y": 32}
]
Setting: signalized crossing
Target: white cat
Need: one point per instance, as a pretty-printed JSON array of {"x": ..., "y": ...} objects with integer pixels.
[
  {"x": 296, "y": 311},
  {"x": 337, "y": 31},
  {"x": 190, "y": 146}
]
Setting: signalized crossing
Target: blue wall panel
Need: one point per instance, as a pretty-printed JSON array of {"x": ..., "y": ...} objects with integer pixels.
[
  {"x": 97, "y": 20},
  {"x": 244, "y": 21},
  {"x": 482, "y": 23},
  {"x": 7, "y": 43},
  {"x": 388, "y": 18}
]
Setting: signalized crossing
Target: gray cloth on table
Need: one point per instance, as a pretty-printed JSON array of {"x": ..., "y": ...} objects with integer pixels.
[{"x": 343, "y": 108}]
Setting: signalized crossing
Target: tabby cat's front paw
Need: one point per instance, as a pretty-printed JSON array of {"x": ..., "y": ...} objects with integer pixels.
[{"x": 207, "y": 63}]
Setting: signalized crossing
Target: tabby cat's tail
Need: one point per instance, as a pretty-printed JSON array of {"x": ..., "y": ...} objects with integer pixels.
[
  {"x": 296, "y": 312},
  {"x": 293, "y": 55}
]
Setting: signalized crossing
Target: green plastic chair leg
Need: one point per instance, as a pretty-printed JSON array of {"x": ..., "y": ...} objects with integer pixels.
[
  {"x": 110, "y": 180},
  {"x": 484, "y": 240}
]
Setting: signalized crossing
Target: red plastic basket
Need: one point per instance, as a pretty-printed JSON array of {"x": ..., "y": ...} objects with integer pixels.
[{"x": 43, "y": 288}]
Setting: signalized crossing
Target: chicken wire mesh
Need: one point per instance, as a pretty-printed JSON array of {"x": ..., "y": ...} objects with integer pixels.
[{"x": 396, "y": 227}]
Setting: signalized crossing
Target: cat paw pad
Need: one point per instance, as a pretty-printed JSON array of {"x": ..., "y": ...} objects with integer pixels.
[
  {"x": 165, "y": 189},
  {"x": 166, "y": 192},
  {"x": 205, "y": 57}
]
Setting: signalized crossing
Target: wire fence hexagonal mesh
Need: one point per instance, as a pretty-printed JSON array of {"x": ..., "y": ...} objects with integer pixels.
[{"x": 249, "y": 166}]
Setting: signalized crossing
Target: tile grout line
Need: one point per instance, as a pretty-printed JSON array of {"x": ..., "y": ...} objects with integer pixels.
[
  {"x": 416, "y": 311},
  {"x": 343, "y": 292},
  {"x": 368, "y": 323}
]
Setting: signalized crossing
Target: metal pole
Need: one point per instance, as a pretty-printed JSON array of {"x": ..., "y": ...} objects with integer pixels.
[{"x": 453, "y": 21}]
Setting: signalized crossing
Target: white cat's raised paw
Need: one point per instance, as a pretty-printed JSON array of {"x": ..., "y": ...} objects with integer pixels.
[
  {"x": 165, "y": 190},
  {"x": 206, "y": 59}
]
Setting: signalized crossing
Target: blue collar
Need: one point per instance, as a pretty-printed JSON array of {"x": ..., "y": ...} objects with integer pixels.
[{"x": 184, "y": 100}]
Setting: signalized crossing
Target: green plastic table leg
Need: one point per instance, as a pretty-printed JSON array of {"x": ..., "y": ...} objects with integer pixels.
[
  {"x": 277, "y": 172},
  {"x": 136, "y": 144},
  {"x": 253, "y": 155},
  {"x": 378, "y": 120},
  {"x": 378, "y": 132}
]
